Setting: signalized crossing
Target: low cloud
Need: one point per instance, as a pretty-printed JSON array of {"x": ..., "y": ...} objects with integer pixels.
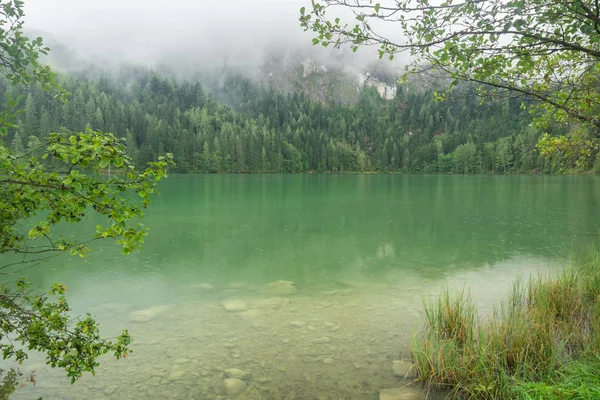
[{"x": 184, "y": 36}]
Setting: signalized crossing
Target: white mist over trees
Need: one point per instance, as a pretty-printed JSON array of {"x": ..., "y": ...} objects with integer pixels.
[{"x": 179, "y": 33}]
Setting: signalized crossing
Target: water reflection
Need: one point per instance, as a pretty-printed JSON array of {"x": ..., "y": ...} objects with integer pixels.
[
  {"x": 362, "y": 250},
  {"x": 333, "y": 340}
]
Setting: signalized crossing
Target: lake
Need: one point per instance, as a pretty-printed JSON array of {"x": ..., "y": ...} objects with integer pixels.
[{"x": 203, "y": 296}]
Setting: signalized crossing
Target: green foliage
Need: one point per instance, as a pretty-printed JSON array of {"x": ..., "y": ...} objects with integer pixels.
[
  {"x": 543, "y": 343},
  {"x": 58, "y": 178},
  {"x": 411, "y": 133},
  {"x": 577, "y": 380},
  {"x": 19, "y": 56},
  {"x": 42, "y": 323},
  {"x": 543, "y": 50},
  {"x": 10, "y": 382},
  {"x": 452, "y": 317},
  {"x": 575, "y": 151},
  {"x": 292, "y": 158},
  {"x": 466, "y": 159},
  {"x": 30, "y": 189}
]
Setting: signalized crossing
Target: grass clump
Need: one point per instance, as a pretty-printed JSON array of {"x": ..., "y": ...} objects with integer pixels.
[
  {"x": 543, "y": 343},
  {"x": 577, "y": 380}
]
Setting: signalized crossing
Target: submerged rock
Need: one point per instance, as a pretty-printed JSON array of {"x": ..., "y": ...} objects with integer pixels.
[
  {"x": 234, "y": 386},
  {"x": 342, "y": 292},
  {"x": 404, "y": 393},
  {"x": 402, "y": 368},
  {"x": 250, "y": 314},
  {"x": 238, "y": 285},
  {"x": 271, "y": 302},
  {"x": 280, "y": 288},
  {"x": 203, "y": 286},
  {"x": 298, "y": 324},
  {"x": 234, "y": 305},
  {"x": 349, "y": 283},
  {"x": 237, "y": 373},
  {"x": 110, "y": 389},
  {"x": 177, "y": 372},
  {"x": 110, "y": 308},
  {"x": 148, "y": 313}
]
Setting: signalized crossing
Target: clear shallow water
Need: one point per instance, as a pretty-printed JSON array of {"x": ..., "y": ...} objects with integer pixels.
[{"x": 362, "y": 250}]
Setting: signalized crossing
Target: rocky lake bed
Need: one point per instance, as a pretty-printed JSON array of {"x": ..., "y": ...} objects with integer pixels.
[
  {"x": 342, "y": 340},
  {"x": 243, "y": 341}
]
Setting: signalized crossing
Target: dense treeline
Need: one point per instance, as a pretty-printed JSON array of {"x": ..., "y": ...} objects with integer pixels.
[{"x": 263, "y": 130}]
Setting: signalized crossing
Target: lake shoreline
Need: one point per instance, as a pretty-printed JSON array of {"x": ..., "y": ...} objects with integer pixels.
[
  {"x": 543, "y": 342},
  {"x": 362, "y": 251},
  {"x": 532, "y": 173}
]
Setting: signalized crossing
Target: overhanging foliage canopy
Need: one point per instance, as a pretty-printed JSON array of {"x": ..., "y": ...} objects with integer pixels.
[{"x": 545, "y": 50}]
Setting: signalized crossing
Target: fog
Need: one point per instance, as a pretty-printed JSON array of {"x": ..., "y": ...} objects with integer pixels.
[
  {"x": 182, "y": 35},
  {"x": 172, "y": 32}
]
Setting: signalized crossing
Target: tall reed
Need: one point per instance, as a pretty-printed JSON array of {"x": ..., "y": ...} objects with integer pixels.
[{"x": 548, "y": 328}]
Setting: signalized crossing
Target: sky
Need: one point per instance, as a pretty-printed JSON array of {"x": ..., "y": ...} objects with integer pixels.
[
  {"x": 149, "y": 30},
  {"x": 181, "y": 34}
]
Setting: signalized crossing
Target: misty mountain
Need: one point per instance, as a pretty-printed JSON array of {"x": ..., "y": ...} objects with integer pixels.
[
  {"x": 283, "y": 109},
  {"x": 247, "y": 126},
  {"x": 334, "y": 78}
]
